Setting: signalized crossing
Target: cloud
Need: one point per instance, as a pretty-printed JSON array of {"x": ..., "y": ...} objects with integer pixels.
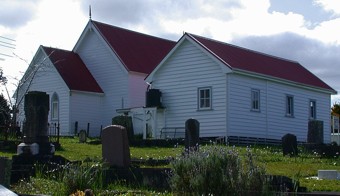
[
  {"x": 16, "y": 13},
  {"x": 157, "y": 17},
  {"x": 134, "y": 12},
  {"x": 311, "y": 12},
  {"x": 320, "y": 58},
  {"x": 329, "y": 5}
]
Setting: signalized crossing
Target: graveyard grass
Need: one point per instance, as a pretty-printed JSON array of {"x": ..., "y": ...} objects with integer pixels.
[{"x": 299, "y": 168}]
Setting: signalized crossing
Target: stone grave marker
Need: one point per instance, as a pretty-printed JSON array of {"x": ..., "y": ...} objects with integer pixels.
[
  {"x": 35, "y": 128},
  {"x": 82, "y": 136},
  {"x": 289, "y": 145},
  {"x": 192, "y": 134},
  {"x": 5, "y": 171},
  {"x": 328, "y": 174},
  {"x": 6, "y": 192},
  {"x": 115, "y": 146},
  {"x": 315, "y": 132}
]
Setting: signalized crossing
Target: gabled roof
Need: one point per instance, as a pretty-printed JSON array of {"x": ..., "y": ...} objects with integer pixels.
[
  {"x": 242, "y": 59},
  {"x": 137, "y": 52},
  {"x": 72, "y": 69}
]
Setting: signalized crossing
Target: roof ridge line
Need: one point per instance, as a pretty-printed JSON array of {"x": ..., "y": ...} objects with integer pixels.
[
  {"x": 244, "y": 48},
  {"x": 65, "y": 50},
  {"x": 192, "y": 36},
  {"x": 133, "y": 31}
]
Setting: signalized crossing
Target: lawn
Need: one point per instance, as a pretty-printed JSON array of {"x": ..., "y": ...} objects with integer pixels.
[{"x": 299, "y": 168}]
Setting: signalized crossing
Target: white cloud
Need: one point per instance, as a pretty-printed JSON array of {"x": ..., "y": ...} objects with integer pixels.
[
  {"x": 56, "y": 23},
  {"x": 60, "y": 23},
  {"x": 326, "y": 32},
  {"x": 330, "y": 5}
]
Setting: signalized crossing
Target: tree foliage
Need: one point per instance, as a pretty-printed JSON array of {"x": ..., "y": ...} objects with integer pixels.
[
  {"x": 336, "y": 109},
  {"x": 5, "y": 111},
  {"x": 3, "y": 79}
]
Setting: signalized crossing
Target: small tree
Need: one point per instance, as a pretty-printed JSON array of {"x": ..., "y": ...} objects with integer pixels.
[
  {"x": 4, "y": 107},
  {"x": 24, "y": 84},
  {"x": 2, "y": 77},
  {"x": 5, "y": 111},
  {"x": 336, "y": 109}
]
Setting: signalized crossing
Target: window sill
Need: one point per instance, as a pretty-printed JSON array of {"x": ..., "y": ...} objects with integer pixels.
[
  {"x": 202, "y": 110},
  {"x": 290, "y": 116},
  {"x": 257, "y": 111}
]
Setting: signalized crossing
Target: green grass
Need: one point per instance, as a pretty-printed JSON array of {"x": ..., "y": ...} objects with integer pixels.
[
  {"x": 73, "y": 150},
  {"x": 299, "y": 168}
]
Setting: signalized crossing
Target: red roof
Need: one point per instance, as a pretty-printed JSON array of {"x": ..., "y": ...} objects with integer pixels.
[
  {"x": 138, "y": 52},
  {"x": 72, "y": 69},
  {"x": 251, "y": 61}
]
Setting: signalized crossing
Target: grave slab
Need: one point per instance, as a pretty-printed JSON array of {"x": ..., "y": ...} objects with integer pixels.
[
  {"x": 328, "y": 174},
  {"x": 7, "y": 192}
]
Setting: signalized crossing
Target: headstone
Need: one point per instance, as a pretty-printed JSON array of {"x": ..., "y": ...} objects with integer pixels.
[
  {"x": 125, "y": 121},
  {"x": 115, "y": 146},
  {"x": 82, "y": 136},
  {"x": 36, "y": 125},
  {"x": 6, "y": 192},
  {"x": 328, "y": 174},
  {"x": 5, "y": 171},
  {"x": 289, "y": 145},
  {"x": 36, "y": 114},
  {"x": 192, "y": 134},
  {"x": 315, "y": 132}
]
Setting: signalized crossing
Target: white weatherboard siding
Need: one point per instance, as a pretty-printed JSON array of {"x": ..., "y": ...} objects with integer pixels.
[
  {"x": 299, "y": 124},
  {"x": 179, "y": 79},
  {"x": 84, "y": 109},
  {"x": 271, "y": 122},
  {"x": 137, "y": 89},
  {"x": 242, "y": 121},
  {"x": 46, "y": 79},
  {"x": 109, "y": 74}
]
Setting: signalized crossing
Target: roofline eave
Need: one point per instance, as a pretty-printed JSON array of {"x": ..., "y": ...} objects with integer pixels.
[
  {"x": 284, "y": 81},
  {"x": 87, "y": 92}
]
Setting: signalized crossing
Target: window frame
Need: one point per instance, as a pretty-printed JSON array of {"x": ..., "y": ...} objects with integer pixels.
[
  {"x": 54, "y": 107},
  {"x": 312, "y": 109},
  {"x": 289, "y": 106},
  {"x": 255, "y": 99},
  {"x": 204, "y": 98}
]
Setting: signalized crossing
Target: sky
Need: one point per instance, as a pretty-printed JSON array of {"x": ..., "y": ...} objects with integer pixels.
[{"x": 307, "y": 31}]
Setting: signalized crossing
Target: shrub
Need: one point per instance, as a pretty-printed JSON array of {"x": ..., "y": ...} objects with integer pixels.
[
  {"x": 75, "y": 176},
  {"x": 125, "y": 121},
  {"x": 216, "y": 171}
]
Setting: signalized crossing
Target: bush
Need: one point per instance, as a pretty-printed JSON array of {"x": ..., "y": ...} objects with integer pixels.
[
  {"x": 125, "y": 121},
  {"x": 74, "y": 176},
  {"x": 216, "y": 171}
]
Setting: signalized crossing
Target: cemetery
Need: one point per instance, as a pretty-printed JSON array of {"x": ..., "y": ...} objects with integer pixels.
[{"x": 116, "y": 163}]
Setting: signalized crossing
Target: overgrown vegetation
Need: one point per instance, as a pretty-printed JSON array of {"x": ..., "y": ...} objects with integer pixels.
[
  {"x": 217, "y": 170},
  {"x": 300, "y": 168}
]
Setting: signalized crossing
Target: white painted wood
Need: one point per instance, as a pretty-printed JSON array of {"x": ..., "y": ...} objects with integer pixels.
[
  {"x": 84, "y": 110},
  {"x": 179, "y": 79},
  {"x": 108, "y": 72},
  {"x": 48, "y": 80},
  {"x": 271, "y": 122},
  {"x": 188, "y": 68},
  {"x": 136, "y": 89}
]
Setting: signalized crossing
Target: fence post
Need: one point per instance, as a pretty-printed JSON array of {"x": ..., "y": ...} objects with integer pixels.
[
  {"x": 76, "y": 128},
  {"x": 58, "y": 132},
  {"x": 88, "y": 130},
  {"x": 49, "y": 132}
]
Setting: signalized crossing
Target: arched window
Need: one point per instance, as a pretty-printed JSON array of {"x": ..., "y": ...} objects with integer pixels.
[{"x": 54, "y": 107}]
